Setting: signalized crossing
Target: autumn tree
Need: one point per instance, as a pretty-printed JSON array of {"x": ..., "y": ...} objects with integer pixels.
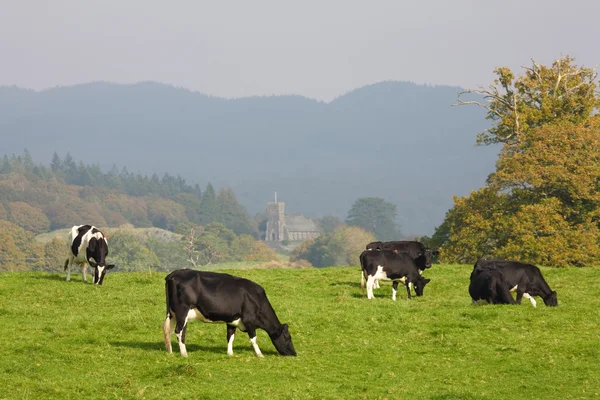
[{"x": 542, "y": 204}]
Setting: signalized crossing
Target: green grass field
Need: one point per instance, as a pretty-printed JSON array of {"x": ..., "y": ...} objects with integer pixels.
[{"x": 72, "y": 340}]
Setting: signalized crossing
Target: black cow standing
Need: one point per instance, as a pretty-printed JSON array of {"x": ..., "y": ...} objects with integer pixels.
[
  {"x": 422, "y": 255},
  {"x": 525, "y": 279},
  {"x": 489, "y": 285},
  {"x": 216, "y": 297},
  {"x": 88, "y": 246},
  {"x": 389, "y": 265}
]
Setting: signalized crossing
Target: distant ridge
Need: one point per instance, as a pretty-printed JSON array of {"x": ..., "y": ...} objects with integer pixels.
[{"x": 397, "y": 140}]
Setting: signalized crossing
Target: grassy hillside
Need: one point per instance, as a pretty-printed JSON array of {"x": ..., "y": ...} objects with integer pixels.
[{"x": 71, "y": 340}]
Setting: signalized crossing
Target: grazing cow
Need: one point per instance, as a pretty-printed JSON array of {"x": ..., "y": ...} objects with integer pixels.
[
  {"x": 418, "y": 251},
  {"x": 389, "y": 265},
  {"x": 489, "y": 285},
  {"x": 216, "y": 297},
  {"x": 87, "y": 245},
  {"x": 525, "y": 279}
]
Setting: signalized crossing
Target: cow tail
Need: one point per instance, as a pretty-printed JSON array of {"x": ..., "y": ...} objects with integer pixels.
[
  {"x": 167, "y": 282},
  {"x": 66, "y": 264}
]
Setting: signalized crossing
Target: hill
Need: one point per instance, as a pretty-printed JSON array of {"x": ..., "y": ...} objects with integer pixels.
[{"x": 395, "y": 140}]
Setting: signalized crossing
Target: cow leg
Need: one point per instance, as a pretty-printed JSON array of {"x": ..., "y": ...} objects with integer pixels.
[
  {"x": 230, "y": 336},
  {"x": 84, "y": 272},
  {"x": 370, "y": 281},
  {"x": 168, "y": 331},
  {"x": 252, "y": 334},
  {"x": 408, "y": 290},
  {"x": 362, "y": 282},
  {"x": 181, "y": 317},
  {"x": 530, "y": 297},
  {"x": 394, "y": 290},
  {"x": 68, "y": 265},
  {"x": 376, "y": 284},
  {"x": 411, "y": 287},
  {"x": 520, "y": 294}
]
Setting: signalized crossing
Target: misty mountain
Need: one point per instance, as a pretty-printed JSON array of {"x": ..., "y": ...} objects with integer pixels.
[{"x": 396, "y": 140}]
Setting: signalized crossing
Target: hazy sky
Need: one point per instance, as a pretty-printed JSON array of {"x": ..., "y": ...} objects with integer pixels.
[{"x": 316, "y": 48}]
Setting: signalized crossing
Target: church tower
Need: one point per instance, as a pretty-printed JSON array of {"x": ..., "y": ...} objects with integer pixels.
[{"x": 275, "y": 221}]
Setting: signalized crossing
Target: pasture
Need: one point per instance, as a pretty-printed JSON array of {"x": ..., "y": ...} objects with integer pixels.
[{"x": 70, "y": 340}]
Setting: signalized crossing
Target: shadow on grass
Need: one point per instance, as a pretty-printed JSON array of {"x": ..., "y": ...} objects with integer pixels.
[
  {"x": 191, "y": 347},
  {"x": 350, "y": 284},
  {"x": 55, "y": 277}
]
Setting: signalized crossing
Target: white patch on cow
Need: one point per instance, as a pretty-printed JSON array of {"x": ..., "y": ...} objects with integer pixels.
[
  {"x": 230, "y": 345},
  {"x": 194, "y": 314},
  {"x": 255, "y": 346},
  {"x": 100, "y": 271},
  {"x": 530, "y": 297},
  {"x": 394, "y": 293},
  {"x": 373, "y": 280},
  {"x": 515, "y": 288},
  {"x": 179, "y": 335},
  {"x": 410, "y": 286},
  {"x": 238, "y": 324}
]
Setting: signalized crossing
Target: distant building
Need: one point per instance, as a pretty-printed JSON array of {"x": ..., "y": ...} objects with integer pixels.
[{"x": 293, "y": 227}]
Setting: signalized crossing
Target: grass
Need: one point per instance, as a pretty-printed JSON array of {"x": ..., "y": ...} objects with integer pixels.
[{"x": 70, "y": 340}]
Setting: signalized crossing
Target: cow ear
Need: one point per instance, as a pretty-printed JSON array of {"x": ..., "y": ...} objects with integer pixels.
[
  {"x": 92, "y": 244},
  {"x": 435, "y": 253},
  {"x": 110, "y": 266},
  {"x": 426, "y": 281}
]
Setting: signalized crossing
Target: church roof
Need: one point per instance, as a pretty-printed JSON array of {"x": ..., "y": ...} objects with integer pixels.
[{"x": 298, "y": 223}]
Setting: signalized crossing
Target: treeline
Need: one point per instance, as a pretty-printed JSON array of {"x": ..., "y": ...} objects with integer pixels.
[{"x": 41, "y": 199}]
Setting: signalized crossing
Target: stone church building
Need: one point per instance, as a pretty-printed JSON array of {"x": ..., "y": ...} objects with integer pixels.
[{"x": 282, "y": 227}]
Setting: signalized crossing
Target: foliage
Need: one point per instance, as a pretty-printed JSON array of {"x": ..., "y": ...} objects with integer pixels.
[
  {"x": 341, "y": 247},
  {"x": 18, "y": 250},
  {"x": 67, "y": 193},
  {"x": 329, "y": 223},
  {"x": 216, "y": 244},
  {"x": 457, "y": 351},
  {"x": 28, "y": 217},
  {"x": 542, "y": 95},
  {"x": 233, "y": 215},
  {"x": 542, "y": 204},
  {"x": 209, "y": 208},
  {"x": 128, "y": 252},
  {"x": 55, "y": 254},
  {"x": 374, "y": 215}
]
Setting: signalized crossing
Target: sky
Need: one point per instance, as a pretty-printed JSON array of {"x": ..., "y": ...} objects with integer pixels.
[{"x": 316, "y": 48}]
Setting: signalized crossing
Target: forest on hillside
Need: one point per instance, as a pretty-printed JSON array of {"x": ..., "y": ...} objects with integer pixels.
[{"x": 156, "y": 223}]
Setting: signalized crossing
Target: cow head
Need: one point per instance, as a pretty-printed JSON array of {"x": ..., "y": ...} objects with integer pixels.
[
  {"x": 282, "y": 340},
  {"x": 97, "y": 250},
  {"x": 426, "y": 257},
  {"x": 551, "y": 299},
  {"x": 420, "y": 285}
]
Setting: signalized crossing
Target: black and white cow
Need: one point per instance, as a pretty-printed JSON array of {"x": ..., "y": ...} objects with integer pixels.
[
  {"x": 87, "y": 245},
  {"x": 422, "y": 255},
  {"x": 488, "y": 285},
  {"x": 525, "y": 279},
  {"x": 216, "y": 297},
  {"x": 389, "y": 265}
]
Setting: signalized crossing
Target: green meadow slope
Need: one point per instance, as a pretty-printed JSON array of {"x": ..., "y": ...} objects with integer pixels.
[{"x": 76, "y": 341}]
